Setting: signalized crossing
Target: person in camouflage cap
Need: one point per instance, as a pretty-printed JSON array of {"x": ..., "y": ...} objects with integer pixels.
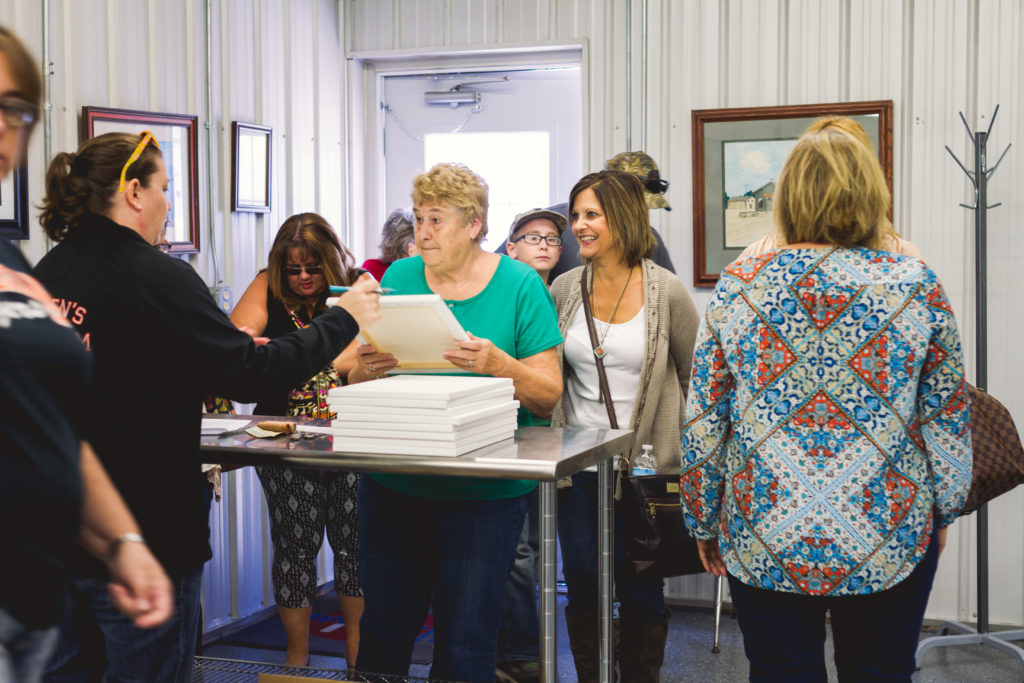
[{"x": 643, "y": 167}]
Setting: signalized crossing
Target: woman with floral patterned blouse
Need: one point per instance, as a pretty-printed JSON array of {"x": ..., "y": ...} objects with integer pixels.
[{"x": 826, "y": 447}]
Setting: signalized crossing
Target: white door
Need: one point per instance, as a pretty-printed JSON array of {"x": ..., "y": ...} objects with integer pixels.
[{"x": 521, "y": 130}]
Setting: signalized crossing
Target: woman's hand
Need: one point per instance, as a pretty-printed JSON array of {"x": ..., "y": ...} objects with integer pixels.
[
  {"x": 940, "y": 536},
  {"x": 711, "y": 556},
  {"x": 362, "y": 301},
  {"x": 370, "y": 364},
  {"x": 479, "y": 355},
  {"x": 259, "y": 341}
]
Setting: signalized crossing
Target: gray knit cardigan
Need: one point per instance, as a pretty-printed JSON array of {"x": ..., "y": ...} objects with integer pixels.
[{"x": 671, "y": 322}]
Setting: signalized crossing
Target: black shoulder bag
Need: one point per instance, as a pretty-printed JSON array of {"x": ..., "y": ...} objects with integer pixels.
[{"x": 655, "y": 541}]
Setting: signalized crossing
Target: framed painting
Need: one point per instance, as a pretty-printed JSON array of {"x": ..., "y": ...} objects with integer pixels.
[
  {"x": 14, "y": 205},
  {"x": 177, "y": 135},
  {"x": 737, "y": 156},
  {"x": 250, "y": 167}
]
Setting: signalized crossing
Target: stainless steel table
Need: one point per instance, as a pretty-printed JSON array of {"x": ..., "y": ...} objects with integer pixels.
[{"x": 542, "y": 454}]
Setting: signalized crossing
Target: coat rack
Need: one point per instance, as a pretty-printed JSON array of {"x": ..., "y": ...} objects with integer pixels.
[{"x": 954, "y": 632}]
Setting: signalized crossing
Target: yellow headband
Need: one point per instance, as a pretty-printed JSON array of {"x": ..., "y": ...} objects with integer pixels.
[{"x": 146, "y": 138}]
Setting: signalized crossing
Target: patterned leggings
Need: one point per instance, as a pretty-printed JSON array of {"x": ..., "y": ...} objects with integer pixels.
[{"x": 302, "y": 503}]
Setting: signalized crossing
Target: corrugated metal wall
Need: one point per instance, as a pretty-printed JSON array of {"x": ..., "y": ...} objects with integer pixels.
[{"x": 281, "y": 63}]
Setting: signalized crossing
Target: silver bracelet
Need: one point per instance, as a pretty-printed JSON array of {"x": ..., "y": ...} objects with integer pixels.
[{"x": 115, "y": 545}]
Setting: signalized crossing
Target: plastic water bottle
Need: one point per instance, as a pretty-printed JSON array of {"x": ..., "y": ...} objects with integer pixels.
[{"x": 645, "y": 463}]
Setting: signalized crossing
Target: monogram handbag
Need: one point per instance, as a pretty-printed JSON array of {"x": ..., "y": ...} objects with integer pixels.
[
  {"x": 998, "y": 456},
  {"x": 655, "y": 541}
]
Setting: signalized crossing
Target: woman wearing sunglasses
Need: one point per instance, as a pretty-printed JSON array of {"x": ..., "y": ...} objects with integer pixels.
[
  {"x": 305, "y": 259},
  {"x": 160, "y": 344}
]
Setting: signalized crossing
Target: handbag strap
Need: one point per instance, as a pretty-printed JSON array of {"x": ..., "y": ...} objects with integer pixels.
[{"x": 602, "y": 378}]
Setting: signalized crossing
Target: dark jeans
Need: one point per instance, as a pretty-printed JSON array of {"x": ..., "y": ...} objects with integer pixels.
[
  {"x": 23, "y": 651},
  {"x": 95, "y": 637},
  {"x": 641, "y": 600},
  {"x": 452, "y": 556},
  {"x": 519, "y": 638},
  {"x": 875, "y": 635}
]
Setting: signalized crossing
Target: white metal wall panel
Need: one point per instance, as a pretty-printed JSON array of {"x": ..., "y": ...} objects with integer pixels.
[
  {"x": 753, "y": 43},
  {"x": 814, "y": 52}
]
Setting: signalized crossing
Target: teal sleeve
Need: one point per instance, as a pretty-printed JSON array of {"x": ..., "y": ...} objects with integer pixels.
[{"x": 536, "y": 321}]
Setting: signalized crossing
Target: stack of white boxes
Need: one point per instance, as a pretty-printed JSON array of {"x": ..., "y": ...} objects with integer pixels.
[{"x": 423, "y": 414}]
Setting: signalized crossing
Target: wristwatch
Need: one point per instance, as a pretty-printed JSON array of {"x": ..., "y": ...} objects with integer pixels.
[{"x": 116, "y": 544}]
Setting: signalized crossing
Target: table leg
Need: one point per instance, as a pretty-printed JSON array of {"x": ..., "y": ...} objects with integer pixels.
[
  {"x": 548, "y": 598},
  {"x": 605, "y": 550}
]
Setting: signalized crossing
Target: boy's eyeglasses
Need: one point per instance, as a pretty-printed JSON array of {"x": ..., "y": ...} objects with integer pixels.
[
  {"x": 147, "y": 137},
  {"x": 297, "y": 270},
  {"x": 17, "y": 113},
  {"x": 534, "y": 239}
]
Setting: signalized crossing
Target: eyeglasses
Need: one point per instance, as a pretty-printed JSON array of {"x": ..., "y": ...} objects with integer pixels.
[
  {"x": 297, "y": 270},
  {"x": 654, "y": 183},
  {"x": 147, "y": 137},
  {"x": 17, "y": 113},
  {"x": 534, "y": 239}
]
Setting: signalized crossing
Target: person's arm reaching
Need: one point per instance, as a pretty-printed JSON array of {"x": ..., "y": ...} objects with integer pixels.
[{"x": 139, "y": 587}]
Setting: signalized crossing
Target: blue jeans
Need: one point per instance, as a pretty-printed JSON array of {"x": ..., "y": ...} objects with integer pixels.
[
  {"x": 455, "y": 553},
  {"x": 875, "y": 635},
  {"x": 96, "y": 638},
  {"x": 641, "y": 600},
  {"x": 23, "y": 651},
  {"x": 519, "y": 638}
]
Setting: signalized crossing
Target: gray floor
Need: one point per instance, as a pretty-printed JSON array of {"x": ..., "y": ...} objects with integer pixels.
[{"x": 688, "y": 656}]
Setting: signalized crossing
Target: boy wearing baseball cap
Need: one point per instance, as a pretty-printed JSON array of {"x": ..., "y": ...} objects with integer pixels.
[{"x": 535, "y": 238}]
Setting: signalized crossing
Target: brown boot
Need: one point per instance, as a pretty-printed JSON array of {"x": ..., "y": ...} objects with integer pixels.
[
  {"x": 643, "y": 651},
  {"x": 583, "y": 642}
]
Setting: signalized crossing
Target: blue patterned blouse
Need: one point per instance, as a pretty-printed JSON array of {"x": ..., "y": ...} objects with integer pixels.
[{"x": 826, "y": 421}]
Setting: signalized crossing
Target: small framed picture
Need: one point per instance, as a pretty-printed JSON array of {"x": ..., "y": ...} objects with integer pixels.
[
  {"x": 250, "y": 167},
  {"x": 737, "y": 156},
  {"x": 14, "y": 205},
  {"x": 177, "y": 137}
]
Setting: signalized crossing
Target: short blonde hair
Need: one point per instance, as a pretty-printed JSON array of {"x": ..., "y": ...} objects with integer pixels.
[
  {"x": 832, "y": 189},
  {"x": 454, "y": 185}
]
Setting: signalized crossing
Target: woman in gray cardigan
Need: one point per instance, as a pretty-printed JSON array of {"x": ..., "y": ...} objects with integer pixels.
[{"x": 646, "y": 325}]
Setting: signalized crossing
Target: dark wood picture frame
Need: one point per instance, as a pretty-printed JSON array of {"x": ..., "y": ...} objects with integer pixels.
[
  {"x": 14, "y": 205},
  {"x": 178, "y": 138},
  {"x": 714, "y": 128},
  {"x": 251, "y": 161}
]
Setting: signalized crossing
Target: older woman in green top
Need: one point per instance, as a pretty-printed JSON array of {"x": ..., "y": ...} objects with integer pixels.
[{"x": 449, "y": 542}]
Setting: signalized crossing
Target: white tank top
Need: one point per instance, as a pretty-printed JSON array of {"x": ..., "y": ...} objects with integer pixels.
[{"x": 624, "y": 347}]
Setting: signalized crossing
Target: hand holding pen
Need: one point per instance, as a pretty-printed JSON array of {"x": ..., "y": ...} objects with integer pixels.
[
  {"x": 362, "y": 300},
  {"x": 380, "y": 290}
]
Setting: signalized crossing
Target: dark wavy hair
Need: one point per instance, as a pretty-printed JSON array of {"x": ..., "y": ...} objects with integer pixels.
[
  {"x": 621, "y": 196},
  {"x": 312, "y": 233},
  {"x": 85, "y": 182}
]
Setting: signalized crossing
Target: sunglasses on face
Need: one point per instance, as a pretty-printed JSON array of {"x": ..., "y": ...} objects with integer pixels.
[
  {"x": 534, "y": 239},
  {"x": 297, "y": 270},
  {"x": 17, "y": 113},
  {"x": 655, "y": 184}
]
